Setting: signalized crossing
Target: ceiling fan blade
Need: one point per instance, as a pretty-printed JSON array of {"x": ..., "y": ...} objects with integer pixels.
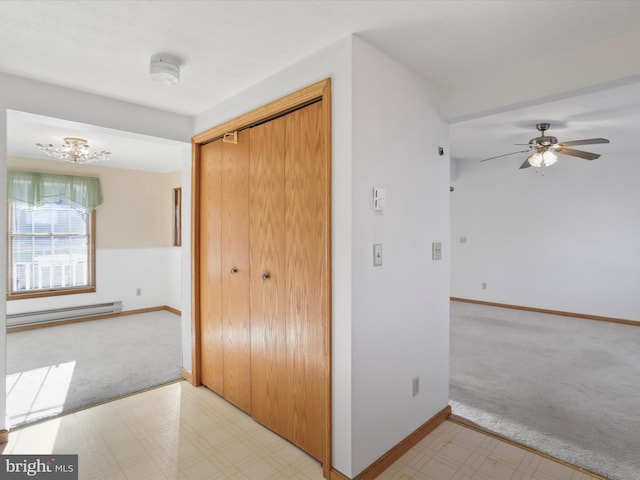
[
  {"x": 578, "y": 153},
  {"x": 588, "y": 141},
  {"x": 525, "y": 164},
  {"x": 504, "y": 155}
]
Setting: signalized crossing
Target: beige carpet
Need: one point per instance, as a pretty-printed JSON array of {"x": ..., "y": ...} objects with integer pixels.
[
  {"x": 565, "y": 386},
  {"x": 64, "y": 368}
]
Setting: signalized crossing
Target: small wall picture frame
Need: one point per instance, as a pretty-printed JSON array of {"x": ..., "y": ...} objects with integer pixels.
[{"x": 177, "y": 217}]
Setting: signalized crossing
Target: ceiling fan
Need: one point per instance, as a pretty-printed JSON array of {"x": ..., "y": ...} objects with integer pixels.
[{"x": 543, "y": 149}]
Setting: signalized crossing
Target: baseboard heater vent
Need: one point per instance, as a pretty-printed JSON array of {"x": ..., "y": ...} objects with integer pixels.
[{"x": 59, "y": 314}]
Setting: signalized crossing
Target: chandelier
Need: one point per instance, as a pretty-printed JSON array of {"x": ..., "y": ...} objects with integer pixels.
[{"x": 75, "y": 150}]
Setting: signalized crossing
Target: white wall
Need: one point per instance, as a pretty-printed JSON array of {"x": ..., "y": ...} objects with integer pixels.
[
  {"x": 31, "y": 96},
  {"x": 153, "y": 271},
  {"x": 567, "y": 241},
  {"x": 119, "y": 273},
  {"x": 185, "y": 262},
  {"x": 400, "y": 310},
  {"x": 173, "y": 296}
]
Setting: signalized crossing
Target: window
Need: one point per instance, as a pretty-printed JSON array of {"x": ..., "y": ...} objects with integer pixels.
[
  {"x": 51, "y": 250},
  {"x": 51, "y": 234}
]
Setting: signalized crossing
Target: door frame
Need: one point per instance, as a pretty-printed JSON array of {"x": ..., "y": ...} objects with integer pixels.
[{"x": 310, "y": 94}]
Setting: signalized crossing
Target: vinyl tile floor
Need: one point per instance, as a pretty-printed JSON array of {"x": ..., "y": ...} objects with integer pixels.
[{"x": 178, "y": 431}]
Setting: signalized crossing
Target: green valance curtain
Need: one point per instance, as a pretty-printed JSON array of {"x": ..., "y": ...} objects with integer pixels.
[{"x": 37, "y": 189}]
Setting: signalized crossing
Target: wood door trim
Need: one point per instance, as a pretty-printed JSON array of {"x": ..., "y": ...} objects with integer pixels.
[
  {"x": 317, "y": 91},
  {"x": 295, "y": 100},
  {"x": 195, "y": 264},
  {"x": 326, "y": 118},
  {"x": 562, "y": 313}
]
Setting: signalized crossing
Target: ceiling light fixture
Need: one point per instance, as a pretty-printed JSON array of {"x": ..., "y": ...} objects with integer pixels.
[
  {"x": 164, "y": 68},
  {"x": 543, "y": 158},
  {"x": 75, "y": 150}
]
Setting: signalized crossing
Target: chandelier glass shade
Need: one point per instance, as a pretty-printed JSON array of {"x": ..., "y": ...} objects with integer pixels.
[{"x": 75, "y": 150}]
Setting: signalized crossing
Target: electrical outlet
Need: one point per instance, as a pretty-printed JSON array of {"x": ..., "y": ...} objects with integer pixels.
[
  {"x": 484, "y": 285},
  {"x": 416, "y": 386},
  {"x": 138, "y": 291}
]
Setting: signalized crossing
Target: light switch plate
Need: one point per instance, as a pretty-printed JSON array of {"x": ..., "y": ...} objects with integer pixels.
[
  {"x": 379, "y": 195},
  {"x": 377, "y": 254},
  {"x": 436, "y": 250}
]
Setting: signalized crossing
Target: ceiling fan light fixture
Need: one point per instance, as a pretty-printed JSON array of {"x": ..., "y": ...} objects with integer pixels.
[
  {"x": 164, "y": 69},
  {"x": 549, "y": 158},
  {"x": 544, "y": 158},
  {"x": 543, "y": 150},
  {"x": 535, "y": 159}
]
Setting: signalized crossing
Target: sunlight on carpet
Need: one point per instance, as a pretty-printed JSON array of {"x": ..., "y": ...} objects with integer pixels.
[
  {"x": 62, "y": 369},
  {"x": 37, "y": 393}
]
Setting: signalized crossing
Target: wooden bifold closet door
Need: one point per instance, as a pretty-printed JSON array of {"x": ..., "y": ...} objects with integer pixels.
[
  {"x": 271, "y": 395},
  {"x": 224, "y": 230},
  {"x": 264, "y": 269}
]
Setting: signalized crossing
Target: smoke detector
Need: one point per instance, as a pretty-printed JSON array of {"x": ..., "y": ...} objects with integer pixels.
[{"x": 164, "y": 68}]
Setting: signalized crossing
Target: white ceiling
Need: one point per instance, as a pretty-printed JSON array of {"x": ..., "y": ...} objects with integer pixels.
[
  {"x": 128, "y": 150},
  {"x": 613, "y": 113},
  {"x": 482, "y": 56}
]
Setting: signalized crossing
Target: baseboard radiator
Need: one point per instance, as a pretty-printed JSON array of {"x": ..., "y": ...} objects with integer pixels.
[{"x": 61, "y": 314}]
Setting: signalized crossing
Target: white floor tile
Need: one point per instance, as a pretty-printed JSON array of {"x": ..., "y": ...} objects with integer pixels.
[{"x": 181, "y": 432}]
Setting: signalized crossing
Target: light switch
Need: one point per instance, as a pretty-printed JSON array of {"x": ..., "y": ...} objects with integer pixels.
[
  {"x": 379, "y": 194},
  {"x": 436, "y": 251},
  {"x": 377, "y": 254}
]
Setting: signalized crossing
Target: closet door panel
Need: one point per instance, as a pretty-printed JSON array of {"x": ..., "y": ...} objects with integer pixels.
[
  {"x": 270, "y": 397},
  {"x": 211, "y": 347},
  {"x": 235, "y": 271},
  {"x": 306, "y": 215}
]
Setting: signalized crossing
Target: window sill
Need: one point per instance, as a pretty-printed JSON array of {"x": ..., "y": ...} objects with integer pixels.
[{"x": 49, "y": 293}]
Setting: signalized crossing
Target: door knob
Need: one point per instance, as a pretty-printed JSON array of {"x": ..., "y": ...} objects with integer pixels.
[
  {"x": 266, "y": 275},
  {"x": 234, "y": 269}
]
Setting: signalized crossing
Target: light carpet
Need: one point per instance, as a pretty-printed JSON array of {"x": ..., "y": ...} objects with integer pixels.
[
  {"x": 64, "y": 368},
  {"x": 565, "y": 386}
]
